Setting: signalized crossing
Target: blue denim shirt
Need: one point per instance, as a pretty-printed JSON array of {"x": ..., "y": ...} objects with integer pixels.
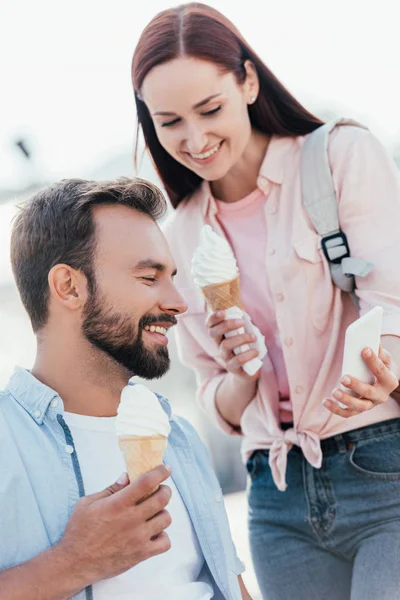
[{"x": 40, "y": 482}]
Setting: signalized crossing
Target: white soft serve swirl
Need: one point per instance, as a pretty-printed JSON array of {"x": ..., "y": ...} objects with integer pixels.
[
  {"x": 213, "y": 260},
  {"x": 140, "y": 413}
]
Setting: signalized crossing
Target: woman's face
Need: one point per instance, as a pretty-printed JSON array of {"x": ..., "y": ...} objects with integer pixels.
[{"x": 200, "y": 114}]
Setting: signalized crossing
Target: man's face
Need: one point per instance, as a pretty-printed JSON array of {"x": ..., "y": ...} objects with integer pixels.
[{"x": 133, "y": 302}]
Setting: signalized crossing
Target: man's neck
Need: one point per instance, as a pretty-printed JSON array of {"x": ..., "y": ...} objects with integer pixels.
[{"x": 88, "y": 382}]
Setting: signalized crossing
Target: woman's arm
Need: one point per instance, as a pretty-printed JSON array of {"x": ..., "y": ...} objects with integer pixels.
[
  {"x": 223, "y": 395},
  {"x": 367, "y": 183}
]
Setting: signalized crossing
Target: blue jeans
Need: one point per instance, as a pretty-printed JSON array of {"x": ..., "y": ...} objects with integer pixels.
[{"x": 335, "y": 533}]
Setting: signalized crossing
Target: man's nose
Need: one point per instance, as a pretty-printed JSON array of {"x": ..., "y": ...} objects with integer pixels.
[{"x": 175, "y": 303}]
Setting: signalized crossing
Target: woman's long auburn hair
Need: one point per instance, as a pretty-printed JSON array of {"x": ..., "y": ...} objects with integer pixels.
[{"x": 199, "y": 31}]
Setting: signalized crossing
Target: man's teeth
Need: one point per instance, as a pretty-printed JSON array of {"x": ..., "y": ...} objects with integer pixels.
[
  {"x": 156, "y": 329},
  {"x": 207, "y": 154}
]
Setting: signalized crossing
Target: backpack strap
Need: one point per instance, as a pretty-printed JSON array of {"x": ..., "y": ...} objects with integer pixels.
[{"x": 320, "y": 201}]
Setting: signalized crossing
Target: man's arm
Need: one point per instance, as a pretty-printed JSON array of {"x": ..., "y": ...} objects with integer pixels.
[
  {"x": 48, "y": 576},
  {"x": 107, "y": 534},
  {"x": 245, "y": 593}
]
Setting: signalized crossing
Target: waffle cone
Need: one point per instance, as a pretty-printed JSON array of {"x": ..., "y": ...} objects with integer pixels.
[
  {"x": 223, "y": 295},
  {"x": 142, "y": 454}
]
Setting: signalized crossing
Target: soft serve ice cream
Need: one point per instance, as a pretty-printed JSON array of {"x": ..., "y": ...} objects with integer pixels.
[
  {"x": 214, "y": 269},
  {"x": 142, "y": 427},
  {"x": 213, "y": 260}
]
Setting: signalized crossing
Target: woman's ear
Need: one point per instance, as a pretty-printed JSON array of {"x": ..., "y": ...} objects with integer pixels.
[{"x": 251, "y": 84}]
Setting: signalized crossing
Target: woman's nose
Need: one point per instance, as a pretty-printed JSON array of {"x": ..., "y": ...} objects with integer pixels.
[{"x": 196, "y": 140}]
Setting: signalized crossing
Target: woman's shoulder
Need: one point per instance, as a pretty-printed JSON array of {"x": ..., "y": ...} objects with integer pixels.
[
  {"x": 187, "y": 216},
  {"x": 347, "y": 138}
]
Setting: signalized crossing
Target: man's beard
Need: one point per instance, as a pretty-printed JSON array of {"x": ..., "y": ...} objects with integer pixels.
[{"x": 117, "y": 336}]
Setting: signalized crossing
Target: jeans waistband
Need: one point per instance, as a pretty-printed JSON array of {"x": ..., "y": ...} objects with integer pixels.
[{"x": 342, "y": 442}]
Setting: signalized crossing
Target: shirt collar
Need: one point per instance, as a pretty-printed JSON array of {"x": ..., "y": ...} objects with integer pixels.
[
  {"x": 31, "y": 394},
  {"x": 272, "y": 168},
  {"x": 276, "y": 158},
  {"x": 35, "y": 397}
]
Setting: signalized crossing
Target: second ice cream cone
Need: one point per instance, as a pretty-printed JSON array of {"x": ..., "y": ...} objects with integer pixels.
[{"x": 223, "y": 295}]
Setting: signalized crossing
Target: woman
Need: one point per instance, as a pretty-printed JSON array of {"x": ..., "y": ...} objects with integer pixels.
[{"x": 226, "y": 139}]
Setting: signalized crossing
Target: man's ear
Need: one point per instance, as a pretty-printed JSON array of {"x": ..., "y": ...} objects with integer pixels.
[{"x": 68, "y": 287}]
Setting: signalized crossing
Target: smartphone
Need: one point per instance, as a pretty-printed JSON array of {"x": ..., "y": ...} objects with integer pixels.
[{"x": 364, "y": 332}]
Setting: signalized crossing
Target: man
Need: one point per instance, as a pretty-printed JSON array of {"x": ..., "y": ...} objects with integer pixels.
[{"x": 95, "y": 274}]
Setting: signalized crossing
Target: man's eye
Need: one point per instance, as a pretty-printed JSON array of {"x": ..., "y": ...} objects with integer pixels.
[
  {"x": 170, "y": 123},
  {"x": 152, "y": 279}
]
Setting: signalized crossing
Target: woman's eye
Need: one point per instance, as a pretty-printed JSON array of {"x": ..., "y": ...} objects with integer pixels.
[
  {"x": 170, "y": 123},
  {"x": 212, "y": 112}
]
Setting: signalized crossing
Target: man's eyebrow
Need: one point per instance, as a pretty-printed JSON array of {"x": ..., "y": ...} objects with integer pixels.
[
  {"x": 197, "y": 105},
  {"x": 148, "y": 263}
]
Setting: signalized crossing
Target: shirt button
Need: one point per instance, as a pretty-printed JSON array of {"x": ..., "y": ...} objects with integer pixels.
[
  {"x": 263, "y": 184},
  {"x": 299, "y": 389},
  {"x": 289, "y": 341},
  {"x": 271, "y": 210},
  {"x": 218, "y": 497},
  {"x": 69, "y": 449},
  {"x": 37, "y": 414},
  {"x": 54, "y": 402},
  {"x": 280, "y": 297},
  {"x": 271, "y": 251}
]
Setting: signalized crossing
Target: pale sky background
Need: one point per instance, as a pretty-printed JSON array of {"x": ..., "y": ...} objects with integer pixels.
[{"x": 65, "y": 70}]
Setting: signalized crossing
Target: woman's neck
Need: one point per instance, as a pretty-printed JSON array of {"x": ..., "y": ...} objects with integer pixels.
[{"x": 241, "y": 180}]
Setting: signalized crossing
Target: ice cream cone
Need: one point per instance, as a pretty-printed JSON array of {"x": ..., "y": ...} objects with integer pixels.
[
  {"x": 223, "y": 295},
  {"x": 142, "y": 454}
]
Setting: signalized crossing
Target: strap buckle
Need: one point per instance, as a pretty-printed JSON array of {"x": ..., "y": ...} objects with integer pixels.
[{"x": 335, "y": 247}]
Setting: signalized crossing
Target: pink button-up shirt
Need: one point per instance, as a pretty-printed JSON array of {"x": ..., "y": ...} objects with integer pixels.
[{"x": 309, "y": 309}]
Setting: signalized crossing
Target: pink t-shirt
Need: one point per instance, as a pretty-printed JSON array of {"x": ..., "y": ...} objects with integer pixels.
[{"x": 245, "y": 227}]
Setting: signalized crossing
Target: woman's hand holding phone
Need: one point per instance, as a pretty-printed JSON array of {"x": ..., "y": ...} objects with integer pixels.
[{"x": 367, "y": 379}]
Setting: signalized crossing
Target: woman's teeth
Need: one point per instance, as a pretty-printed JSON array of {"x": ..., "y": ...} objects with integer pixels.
[
  {"x": 156, "y": 329},
  {"x": 206, "y": 154}
]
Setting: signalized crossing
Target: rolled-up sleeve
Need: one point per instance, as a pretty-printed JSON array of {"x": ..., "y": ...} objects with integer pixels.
[
  {"x": 367, "y": 183},
  {"x": 209, "y": 375}
]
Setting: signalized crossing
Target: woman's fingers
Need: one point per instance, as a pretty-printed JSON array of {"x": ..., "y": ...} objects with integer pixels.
[
  {"x": 334, "y": 408},
  {"x": 218, "y": 331},
  {"x": 364, "y": 396},
  {"x": 231, "y": 343},
  {"x": 235, "y": 364}
]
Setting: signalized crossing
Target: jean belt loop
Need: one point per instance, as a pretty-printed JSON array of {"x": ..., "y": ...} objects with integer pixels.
[{"x": 341, "y": 444}]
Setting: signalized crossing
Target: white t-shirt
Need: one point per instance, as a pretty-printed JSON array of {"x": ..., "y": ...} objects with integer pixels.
[{"x": 174, "y": 575}]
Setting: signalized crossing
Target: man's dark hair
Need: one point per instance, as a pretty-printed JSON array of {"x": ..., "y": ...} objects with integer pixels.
[{"x": 56, "y": 226}]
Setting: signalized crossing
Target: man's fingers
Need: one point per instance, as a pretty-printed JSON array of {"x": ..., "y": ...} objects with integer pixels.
[
  {"x": 155, "y": 503},
  {"x": 119, "y": 485},
  {"x": 160, "y": 544},
  {"x": 158, "y": 523},
  {"x": 142, "y": 486}
]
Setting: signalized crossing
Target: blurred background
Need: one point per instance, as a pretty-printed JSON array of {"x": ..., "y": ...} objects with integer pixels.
[{"x": 67, "y": 110}]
